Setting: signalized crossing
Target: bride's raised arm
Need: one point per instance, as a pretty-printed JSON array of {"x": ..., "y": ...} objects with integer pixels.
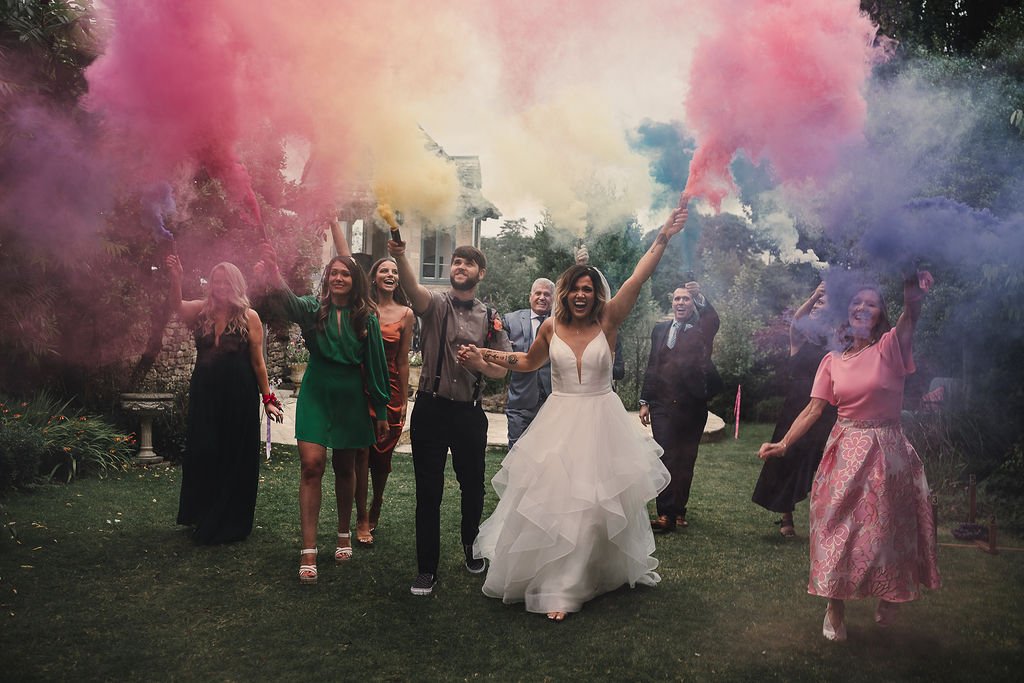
[
  {"x": 622, "y": 303},
  {"x": 474, "y": 357}
]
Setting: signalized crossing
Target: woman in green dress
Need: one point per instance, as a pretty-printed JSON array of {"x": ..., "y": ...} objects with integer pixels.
[{"x": 341, "y": 330}]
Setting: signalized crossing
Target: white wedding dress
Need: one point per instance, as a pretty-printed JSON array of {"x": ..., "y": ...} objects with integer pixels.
[{"x": 572, "y": 521}]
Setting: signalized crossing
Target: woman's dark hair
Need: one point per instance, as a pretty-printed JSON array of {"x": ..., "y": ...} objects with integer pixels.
[
  {"x": 358, "y": 299},
  {"x": 566, "y": 281},
  {"x": 843, "y": 333},
  {"x": 400, "y": 297}
]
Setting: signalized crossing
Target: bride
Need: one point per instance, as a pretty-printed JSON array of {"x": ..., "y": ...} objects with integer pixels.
[{"x": 572, "y": 520}]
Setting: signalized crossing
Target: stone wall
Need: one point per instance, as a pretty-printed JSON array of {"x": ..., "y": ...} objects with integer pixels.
[{"x": 173, "y": 367}]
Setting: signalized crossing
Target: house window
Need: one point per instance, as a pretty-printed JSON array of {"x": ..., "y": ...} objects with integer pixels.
[
  {"x": 354, "y": 235},
  {"x": 436, "y": 251}
]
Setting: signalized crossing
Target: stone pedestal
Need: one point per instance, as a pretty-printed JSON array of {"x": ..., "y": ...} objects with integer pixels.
[{"x": 147, "y": 406}]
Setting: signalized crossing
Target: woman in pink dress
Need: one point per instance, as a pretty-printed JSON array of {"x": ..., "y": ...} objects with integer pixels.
[{"x": 872, "y": 529}]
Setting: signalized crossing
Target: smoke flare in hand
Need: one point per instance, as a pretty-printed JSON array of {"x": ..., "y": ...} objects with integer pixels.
[{"x": 388, "y": 214}]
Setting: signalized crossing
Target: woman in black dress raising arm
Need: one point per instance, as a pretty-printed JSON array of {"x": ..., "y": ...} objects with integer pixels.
[
  {"x": 787, "y": 480},
  {"x": 220, "y": 473}
]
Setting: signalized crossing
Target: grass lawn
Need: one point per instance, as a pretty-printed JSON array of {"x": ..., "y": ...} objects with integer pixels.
[{"x": 97, "y": 583}]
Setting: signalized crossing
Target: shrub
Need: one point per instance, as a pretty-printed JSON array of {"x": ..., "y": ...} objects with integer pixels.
[
  {"x": 43, "y": 437},
  {"x": 21, "y": 450},
  {"x": 170, "y": 428},
  {"x": 296, "y": 351},
  {"x": 78, "y": 444},
  {"x": 769, "y": 409},
  {"x": 941, "y": 440},
  {"x": 1005, "y": 487}
]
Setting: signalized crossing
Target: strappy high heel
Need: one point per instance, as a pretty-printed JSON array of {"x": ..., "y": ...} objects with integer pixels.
[
  {"x": 363, "y": 533},
  {"x": 307, "y": 572},
  {"x": 343, "y": 553}
]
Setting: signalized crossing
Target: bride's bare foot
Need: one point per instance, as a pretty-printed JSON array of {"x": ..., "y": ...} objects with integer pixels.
[{"x": 556, "y": 616}]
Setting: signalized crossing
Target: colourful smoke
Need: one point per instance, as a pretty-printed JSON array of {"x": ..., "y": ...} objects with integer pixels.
[
  {"x": 171, "y": 82},
  {"x": 782, "y": 81},
  {"x": 193, "y": 86},
  {"x": 157, "y": 204}
]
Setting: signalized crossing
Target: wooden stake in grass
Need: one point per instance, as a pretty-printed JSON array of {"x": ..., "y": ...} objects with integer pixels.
[
  {"x": 972, "y": 498},
  {"x": 990, "y": 545}
]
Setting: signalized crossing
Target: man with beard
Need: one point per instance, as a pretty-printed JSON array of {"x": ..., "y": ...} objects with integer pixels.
[
  {"x": 527, "y": 390},
  {"x": 447, "y": 413},
  {"x": 680, "y": 379}
]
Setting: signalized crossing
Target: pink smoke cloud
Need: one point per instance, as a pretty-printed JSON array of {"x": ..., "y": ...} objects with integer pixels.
[
  {"x": 172, "y": 82},
  {"x": 190, "y": 85},
  {"x": 781, "y": 80},
  {"x": 534, "y": 40},
  {"x": 56, "y": 183}
]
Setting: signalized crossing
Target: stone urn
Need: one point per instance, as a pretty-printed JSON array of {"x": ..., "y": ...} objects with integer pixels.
[
  {"x": 296, "y": 371},
  {"x": 147, "y": 406},
  {"x": 414, "y": 378}
]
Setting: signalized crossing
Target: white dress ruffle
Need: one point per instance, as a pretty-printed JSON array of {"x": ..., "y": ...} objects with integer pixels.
[{"x": 572, "y": 521}]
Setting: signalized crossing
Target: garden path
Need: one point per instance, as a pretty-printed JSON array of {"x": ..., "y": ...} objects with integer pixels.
[{"x": 497, "y": 426}]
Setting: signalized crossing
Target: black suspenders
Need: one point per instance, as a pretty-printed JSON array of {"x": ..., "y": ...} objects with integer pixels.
[{"x": 443, "y": 339}]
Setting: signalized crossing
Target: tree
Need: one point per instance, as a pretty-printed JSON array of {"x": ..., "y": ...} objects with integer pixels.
[
  {"x": 45, "y": 46},
  {"x": 511, "y": 267},
  {"x": 82, "y": 274},
  {"x": 937, "y": 26}
]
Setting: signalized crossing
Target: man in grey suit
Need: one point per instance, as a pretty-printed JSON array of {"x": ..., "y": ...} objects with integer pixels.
[{"x": 528, "y": 390}]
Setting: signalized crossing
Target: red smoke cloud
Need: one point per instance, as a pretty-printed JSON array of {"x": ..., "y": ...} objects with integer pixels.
[{"x": 781, "y": 80}]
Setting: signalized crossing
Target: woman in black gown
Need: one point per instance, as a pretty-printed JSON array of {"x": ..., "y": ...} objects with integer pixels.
[
  {"x": 220, "y": 472},
  {"x": 786, "y": 481}
]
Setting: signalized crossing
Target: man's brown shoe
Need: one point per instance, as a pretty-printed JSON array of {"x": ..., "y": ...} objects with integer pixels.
[
  {"x": 663, "y": 524},
  {"x": 681, "y": 521}
]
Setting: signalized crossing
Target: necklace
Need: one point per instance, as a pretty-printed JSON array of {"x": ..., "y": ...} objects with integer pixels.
[{"x": 847, "y": 355}]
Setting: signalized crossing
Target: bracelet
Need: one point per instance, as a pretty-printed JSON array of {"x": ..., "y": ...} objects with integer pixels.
[
  {"x": 271, "y": 398},
  {"x": 784, "y": 444}
]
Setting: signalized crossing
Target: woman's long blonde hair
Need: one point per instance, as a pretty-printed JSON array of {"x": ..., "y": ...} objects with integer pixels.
[{"x": 238, "y": 303}]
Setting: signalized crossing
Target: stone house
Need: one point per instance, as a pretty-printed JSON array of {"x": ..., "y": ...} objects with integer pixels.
[{"x": 429, "y": 246}]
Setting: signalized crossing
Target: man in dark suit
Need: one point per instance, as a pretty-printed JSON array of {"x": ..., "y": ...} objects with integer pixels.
[
  {"x": 528, "y": 390},
  {"x": 680, "y": 379}
]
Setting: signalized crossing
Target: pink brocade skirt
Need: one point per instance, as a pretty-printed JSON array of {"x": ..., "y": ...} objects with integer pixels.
[{"x": 872, "y": 527}]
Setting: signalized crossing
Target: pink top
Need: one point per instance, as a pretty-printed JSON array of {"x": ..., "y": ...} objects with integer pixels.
[{"x": 867, "y": 385}]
